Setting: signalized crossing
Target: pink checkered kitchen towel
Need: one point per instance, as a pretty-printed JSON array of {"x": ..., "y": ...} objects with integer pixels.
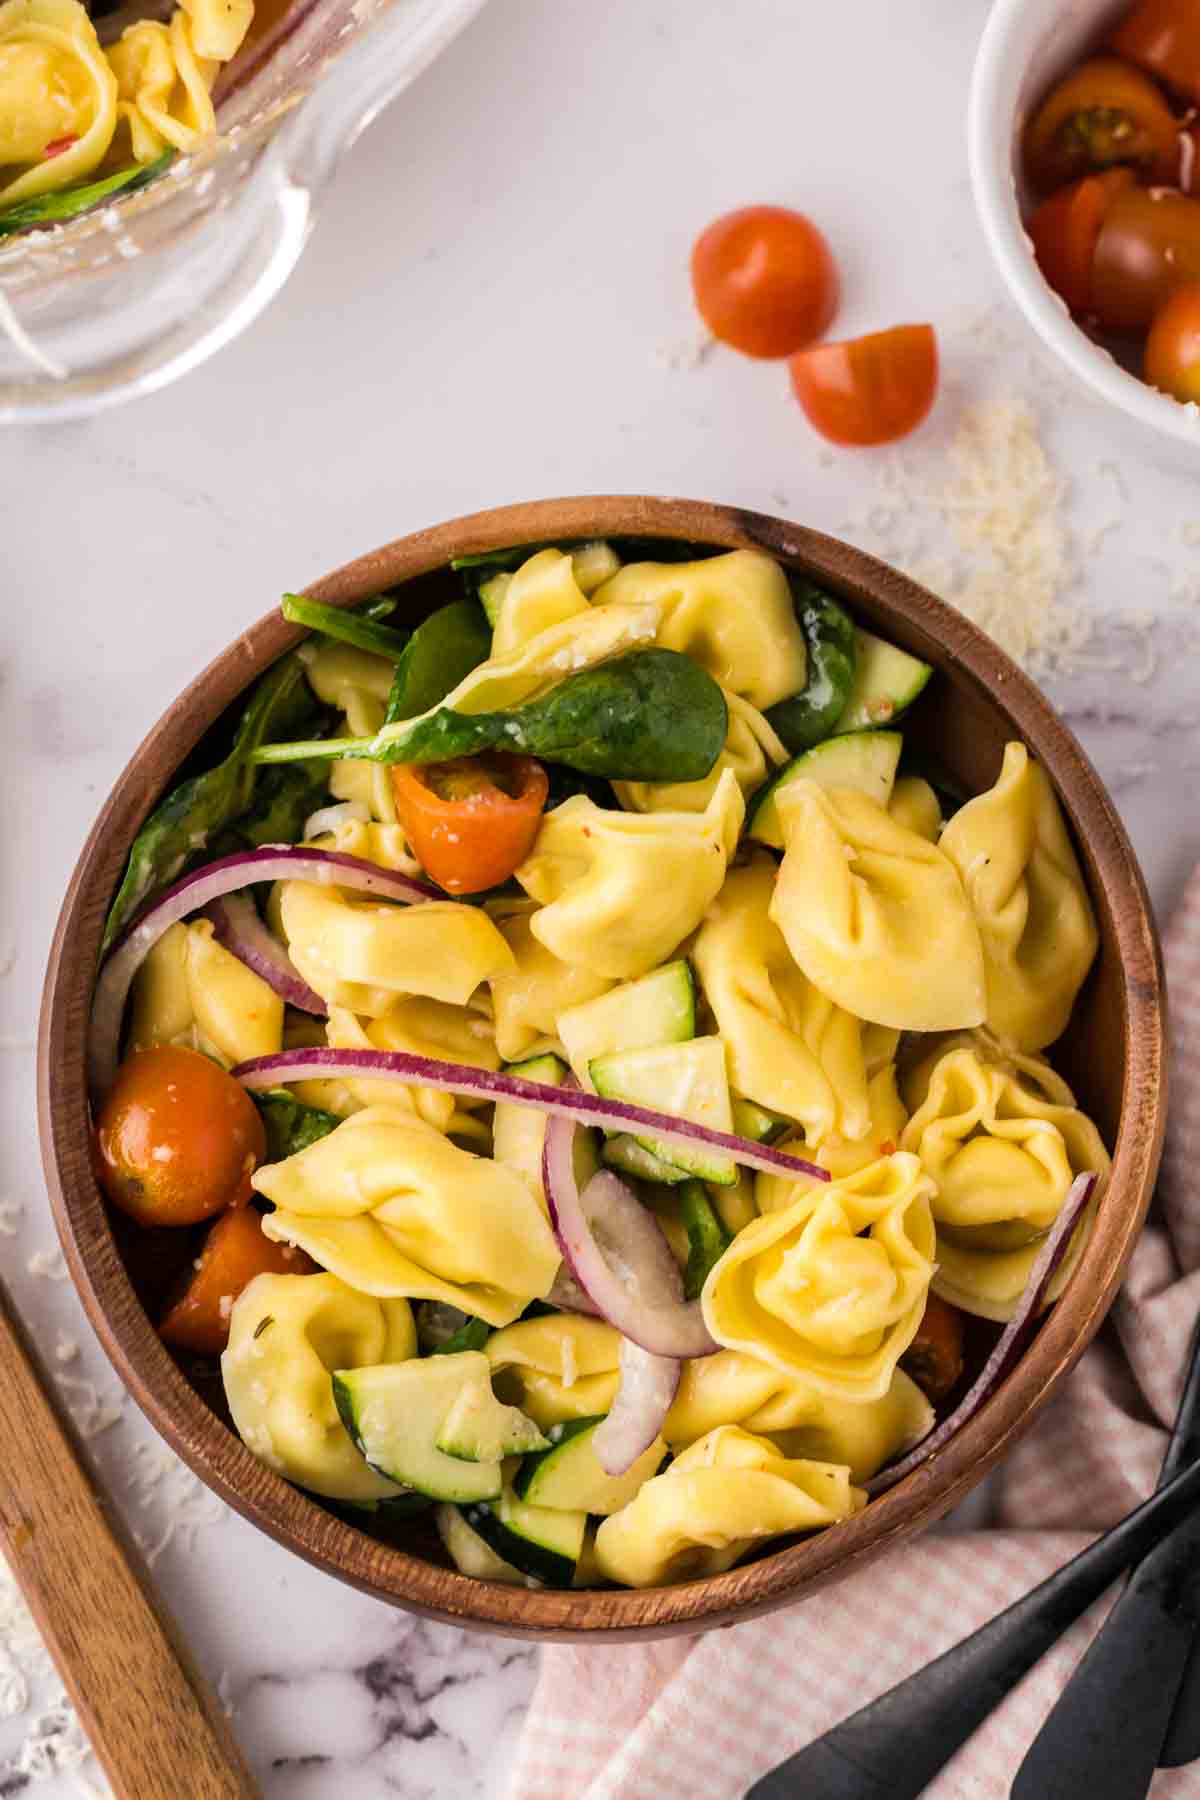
[{"x": 701, "y": 1718}]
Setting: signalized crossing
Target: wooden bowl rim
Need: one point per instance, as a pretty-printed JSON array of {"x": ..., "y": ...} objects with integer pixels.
[{"x": 219, "y": 1458}]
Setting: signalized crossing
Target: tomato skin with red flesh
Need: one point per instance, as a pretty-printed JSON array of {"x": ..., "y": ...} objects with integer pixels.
[
  {"x": 1103, "y": 114},
  {"x": 765, "y": 281},
  {"x": 1148, "y": 245},
  {"x": 1173, "y": 348},
  {"x": 471, "y": 821},
  {"x": 1163, "y": 37},
  {"x": 869, "y": 390},
  {"x": 1065, "y": 230},
  {"x": 233, "y": 1253}
]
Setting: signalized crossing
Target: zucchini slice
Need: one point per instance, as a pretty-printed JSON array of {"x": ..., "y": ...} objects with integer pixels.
[
  {"x": 886, "y": 681},
  {"x": 865, "y": 760},
  {"x": 519, "y": 1132},
  {"x": 540, "y": 1541},
  {"x": 631, "y": 1158},
  {"x": 480, "y": 1428},
  {"x": 759, "y": 1125},
  {"x": 569, "y": 1478},
  {"x": 468, "y": 1551},
  {"x": 831, "y": 643},
  {"x": 659, "y": 1008},
  {"x": 395, "y": 1411},
  {"x": 687, "y": 1080}
]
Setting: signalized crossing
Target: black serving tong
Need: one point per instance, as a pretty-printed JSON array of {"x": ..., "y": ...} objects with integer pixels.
[
  {"x": 1108, "y": 1729},
  {"x": 893, "y": 1748}
]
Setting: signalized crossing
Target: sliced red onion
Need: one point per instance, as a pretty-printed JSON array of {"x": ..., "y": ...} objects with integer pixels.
[
  {"x": 273, "y": 862},
  {"x": 489, "y": 1084},
  {"x": 1012, "y": 1342},
  {"x": 638, "y": 1413},
  {"x": 237, "y": 926},
  {"x": 566, "y": 1295},
  {"x": 331, "y": 818},
  {"x": 618, "y": 1254}
]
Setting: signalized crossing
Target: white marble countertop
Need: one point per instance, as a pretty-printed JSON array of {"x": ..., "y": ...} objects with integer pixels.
[{"x": 494, "y": 307}]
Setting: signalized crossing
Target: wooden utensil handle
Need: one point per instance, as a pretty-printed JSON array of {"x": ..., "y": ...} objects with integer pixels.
[{"x": 153, "y": 1721}]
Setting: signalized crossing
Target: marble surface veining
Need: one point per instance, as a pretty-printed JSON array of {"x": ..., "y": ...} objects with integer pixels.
[{"x": 465, "y": 329}]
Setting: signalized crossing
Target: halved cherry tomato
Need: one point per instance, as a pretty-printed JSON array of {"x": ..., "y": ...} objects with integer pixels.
[
  {"x": 472, "y": 820},
  {"x": 764, "y": 280},
  {"x": 177, "y": 1138},
  {"x": 934, "y": 1359},
  {"x": 869, "y": 390},
  {"x": 1065, "y": 230},
  {"x": 1149, "y": 244},
  {"x": 1164, "y": 37},
  {"x": 1105, "y": 113},
  {"x": 234, "y": 1252},
  {"x": 1173, "y": 347}
]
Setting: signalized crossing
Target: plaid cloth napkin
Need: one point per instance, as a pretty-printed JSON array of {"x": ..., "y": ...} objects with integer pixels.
[{"x": 701, "y": 1718}]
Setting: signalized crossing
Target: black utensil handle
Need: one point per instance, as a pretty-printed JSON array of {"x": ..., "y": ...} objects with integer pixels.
[
  {"x": 1183, "y": 1733},
  {"x": 1104, "y": 1735},
  {"x": 892, "y": 1749}
]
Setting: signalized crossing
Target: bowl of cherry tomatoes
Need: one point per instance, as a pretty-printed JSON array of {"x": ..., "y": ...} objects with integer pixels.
[{"x": 1084, "y": 140}]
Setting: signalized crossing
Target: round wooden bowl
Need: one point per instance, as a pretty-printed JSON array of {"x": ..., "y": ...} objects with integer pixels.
[{"x": 1113, "y": 1054}]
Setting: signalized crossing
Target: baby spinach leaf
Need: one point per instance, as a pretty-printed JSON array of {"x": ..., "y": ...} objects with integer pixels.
[
  {"x": 290, "y": 1125},
  {"x": 448, "y": 645},
  {"x": 471, "y": 1336},
  {"x": 359, "y": 628},
  {"x": 284, "y": 797},
  {"x": 707, "y": 1237},
  {"x": 68, "y": 203},
  {"x": 809, "y": 716},
  {"x": 649, "y": 715}
]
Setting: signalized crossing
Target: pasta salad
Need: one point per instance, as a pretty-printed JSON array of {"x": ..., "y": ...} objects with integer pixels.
[{"x": 584, "y": 1074}]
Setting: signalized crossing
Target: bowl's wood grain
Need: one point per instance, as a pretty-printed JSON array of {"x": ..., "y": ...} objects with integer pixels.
[{"x": 1113, "y": 1053}]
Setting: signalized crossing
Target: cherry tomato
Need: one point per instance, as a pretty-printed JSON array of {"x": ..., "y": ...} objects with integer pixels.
[
  {"x": 472, "y": 820},
  {"x": 934, "y": 1359},
  {"x": 1173, "y": 347},
  {"x": 177, "y": 1138},
  {"x": 234, "y": 1252},
  {"x": 1164, "y": 37},
  {"x": 1149, "y": 243},
  {"x": 1105, "y": 113},
  {"x": 764, "y": 280},
  {"x": 1065, "y": 230},
  {"x": 869, "y": 390}
]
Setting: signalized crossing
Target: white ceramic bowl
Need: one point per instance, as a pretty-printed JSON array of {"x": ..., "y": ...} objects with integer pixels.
[{"x": 1025, "y": 44}]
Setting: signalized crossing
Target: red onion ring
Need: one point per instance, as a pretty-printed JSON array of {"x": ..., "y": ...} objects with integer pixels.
[
  {"x": 490, "y": 1084},
  {"x": 639, "y": 1411},
  {"x": 237, "y": 926},
  {"x": 1012, "y": 1341},
  {"x": 273, "y": 862},
  {"x": 566, "y": 1295}
]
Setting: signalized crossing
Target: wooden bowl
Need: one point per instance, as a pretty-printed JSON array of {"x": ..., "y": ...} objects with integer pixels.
[{"x": 1113, "y": 1054}]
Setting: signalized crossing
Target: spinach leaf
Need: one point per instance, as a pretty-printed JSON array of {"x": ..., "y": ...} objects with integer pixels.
[
  {"x": 284, "y": 797},
  {"x": 448, "y": 645},
  {"x": 708, "y": 1239},
  {"x": 68, "y": 203},
  {"x": 349, "y": 627},
  {"x": 183, "y": 825},
  {"x": 565, "y": 783},
  {"x": 809, "y": 716},
  {"x": 290, "y": 1125},
  {"x": 471, "y": 1336},
  {"x": 650, "y": 715}
]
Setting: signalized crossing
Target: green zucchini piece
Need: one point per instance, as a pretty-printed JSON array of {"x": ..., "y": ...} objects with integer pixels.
[
  {"x": 625, "y": 1154},
  {"x": 395, "y": 1411},
  {"x": 687, "y": 1080},
  {"x": 441, "y": 651},
  {"x": 759, "y": 1125},
  {"x": 829, "y": 639},
  {"x": 866, "y": 760},
  {"x": 568, "y": 1476},
  {"x": 707, "y": 1237},
  {"x": 468, "y": 1552},
  {"x": 659, "y": 1008},
  {"x": 480, "y": 1428},
  {"x": 886, "y": 682},
  {"x": 540, "y": 1541}
]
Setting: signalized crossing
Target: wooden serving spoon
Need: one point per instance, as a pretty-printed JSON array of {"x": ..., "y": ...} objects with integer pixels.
[{"x": 153, "y": 1721}]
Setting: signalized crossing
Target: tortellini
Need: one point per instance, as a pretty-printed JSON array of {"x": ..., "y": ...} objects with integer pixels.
[
  {"x": 751, "y": 750},
  {"x": 619, "y": 891},
  {"x": 358, "y": 684},
  {"x": 529, "y": 996},
  {"x": 361, "y": 954},
  {"x": 732, "y": 614},
  {"x": 1011, "y": 848},
  {"x": 287, "y": 1335},
  {"x": 543, "y": 592},
  {"x": 190, "y": 990},
  {"x": 833, "y": 1288},
  {"x": 395, "y": 1209},
  {"x": 56, "y": 85},
  {"x": 1003, "y": 1140},
  {"x": 915, "y": 806},
  {"x": 421, "y": 1027},
  {"x": 838, "y": 1154},
  {"x": 218, "y": 26},
  {"x": 732, "y": 1388},
  {"x": 558, "y": 1367},
  {"x": 163, "y": 87},
  {"x": 713, "y": 1504},
  {"x": 875, "y": 915},
  {"x": 788, "y": 1047}
]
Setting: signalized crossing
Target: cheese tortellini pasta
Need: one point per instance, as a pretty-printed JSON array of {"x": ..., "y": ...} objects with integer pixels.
[
  {"x": 191, "y": 991},
  {"x": 724, "y": 1494},
  {"x": 396, "y": 1210},
  {"x": 556, "y": 1368},
  {"x": 1011, "y": 848},
  {"x": 287, "y": 1334},
  {"x": 752, "y": 750},
  {"x": 357, "y": 684},
  {"x": 875, "y": 915},
  {"x": 1002, "y": 1139},
  {"x": 162, "y": 87},
  {"x": 620, "y": 891},
  {"x": 832, "y": 1289},
  {"x": 838, "y": 1154},
  {"x": 534, "y": 990}
]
